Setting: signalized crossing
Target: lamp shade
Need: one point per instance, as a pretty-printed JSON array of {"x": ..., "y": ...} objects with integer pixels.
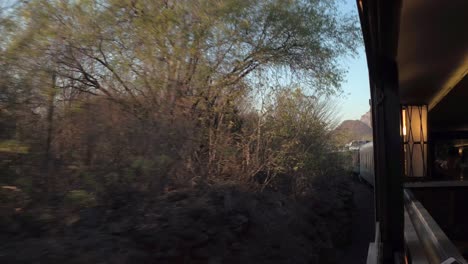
[{"x": 414, "y": 133}]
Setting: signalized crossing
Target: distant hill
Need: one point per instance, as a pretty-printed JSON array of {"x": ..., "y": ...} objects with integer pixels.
[
  {"x": 367, "y": 118},
  {"x": 350, "y": 130}
]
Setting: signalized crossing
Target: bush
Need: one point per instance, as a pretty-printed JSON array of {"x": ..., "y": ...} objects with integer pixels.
[
  {"x": 13, "y": 146},
  {"x": 11, "y": 197},
  {"x": 80, "y": 199},
  {"x": 24, "y": 183}
]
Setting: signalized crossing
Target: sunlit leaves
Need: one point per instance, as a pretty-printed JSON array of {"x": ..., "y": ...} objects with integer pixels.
[{"x": 198, "y": 43}]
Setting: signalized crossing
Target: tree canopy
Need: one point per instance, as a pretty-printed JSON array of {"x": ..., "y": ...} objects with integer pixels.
[{"x": 172, "y": 80}]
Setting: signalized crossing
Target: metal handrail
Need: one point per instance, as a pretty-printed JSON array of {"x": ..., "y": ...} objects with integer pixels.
[
  {"x": 436, "y": 245},
  {"x": 373, "y": 253}
]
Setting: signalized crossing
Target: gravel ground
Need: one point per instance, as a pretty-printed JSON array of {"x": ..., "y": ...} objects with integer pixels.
[{"x": 362, "y": 225}]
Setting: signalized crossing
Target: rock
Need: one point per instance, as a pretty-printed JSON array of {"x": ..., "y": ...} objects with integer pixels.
[
  {"x": 236, "y": 246},
  {"x": 71, "y": 220},
  {"x": 197, "y": 212},
  {"x": 203, "y": 252},
  {"x": 120, "y": 227},
  {"x": 90, "y": 217},
  {"x": 327, "y": 256},
  {"x": 193, "y": 237},
  {"x": 239, "y": 223},
  {"x": 8, "y": 225},
  {"x": 176, "y": 196},
  {"x": 215, "y": 260},
  {"x": 228, "y": 203},
  {"x": 224, "y": 225}
]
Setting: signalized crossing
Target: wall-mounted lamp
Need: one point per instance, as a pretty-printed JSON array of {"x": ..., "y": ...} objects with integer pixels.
[{"x": 414, "y": 134}]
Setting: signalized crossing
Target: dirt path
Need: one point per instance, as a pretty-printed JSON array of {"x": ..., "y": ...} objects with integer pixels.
[{"x": 363, "y": 225}]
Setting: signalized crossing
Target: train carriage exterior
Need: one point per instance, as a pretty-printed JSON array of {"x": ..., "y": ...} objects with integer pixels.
[{"x": 366, "y": 163}]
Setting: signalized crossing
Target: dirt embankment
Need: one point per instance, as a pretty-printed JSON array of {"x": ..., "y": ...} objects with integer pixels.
[{"x": 219, "y": 224}]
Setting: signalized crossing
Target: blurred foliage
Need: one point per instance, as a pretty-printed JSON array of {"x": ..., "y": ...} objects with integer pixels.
[
  {"x": 13, "y": 146},
  {"x": 24, "y": 183},
  {"x": 101, "y": 99},
  {"x": 80, "y": 199}
]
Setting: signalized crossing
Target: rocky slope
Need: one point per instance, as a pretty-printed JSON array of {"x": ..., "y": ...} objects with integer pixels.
[
  {"x": 367, "y": 118},
  {"x": 218, "y": 224},
  {"x": 350, "y": 130}
]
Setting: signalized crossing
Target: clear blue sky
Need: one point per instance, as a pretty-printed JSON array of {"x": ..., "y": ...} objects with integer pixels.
[
  {"x": 355, "y": 101},
  {"x": 356, "y": 86}
]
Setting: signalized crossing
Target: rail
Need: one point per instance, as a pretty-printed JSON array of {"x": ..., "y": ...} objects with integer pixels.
[
  {"x": 373, "y": 256},
  {"x": 425, "y": 240}
]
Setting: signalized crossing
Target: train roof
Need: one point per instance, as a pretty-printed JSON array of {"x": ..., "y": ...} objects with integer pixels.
[
  {"x": 367, "y": 145},
  {"x": 429, "y": 42}
]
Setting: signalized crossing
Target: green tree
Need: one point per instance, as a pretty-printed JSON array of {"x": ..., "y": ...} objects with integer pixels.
[{"x": 178, "y": 70}]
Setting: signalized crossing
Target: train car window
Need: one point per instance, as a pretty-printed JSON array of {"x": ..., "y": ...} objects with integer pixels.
[{"x": 450, "y": 159}]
